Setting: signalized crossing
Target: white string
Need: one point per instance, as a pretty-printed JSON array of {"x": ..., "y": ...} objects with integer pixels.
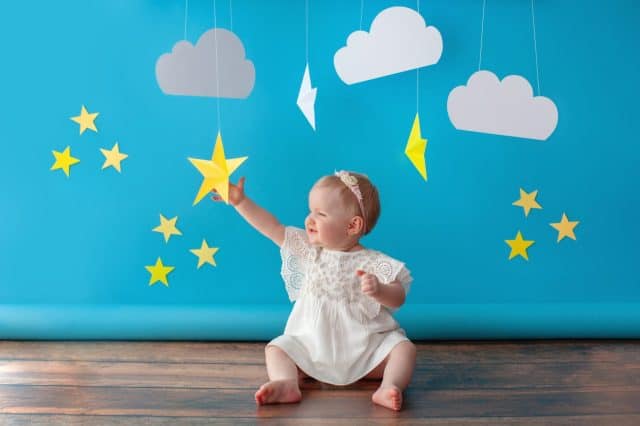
[
  {"x": 306, "y": 30},
  {"x": 186, "y": 12},
  {"x": 361, "y": 12},
  {"x": 535, "y": 46},
  {"x": 418, "y": 78},
  {"x": 484, "y": 3},
  {"x": 215, "y": 36},
  {"x": 231, "y": 14}
]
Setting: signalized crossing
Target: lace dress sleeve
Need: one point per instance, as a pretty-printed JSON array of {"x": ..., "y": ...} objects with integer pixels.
[
  {"x": 295, "y": 253},
  {"x": 388, "y": 269}
]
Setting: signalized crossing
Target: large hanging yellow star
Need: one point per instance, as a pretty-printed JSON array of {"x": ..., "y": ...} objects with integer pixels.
[
  {"x": 205, "y": 254},
  {"x": 159, "y": 272},
  {"x": 519, "y": 246},
  {"x": 167, "y": 227},
  {"x": 64, "y": 160},
  {"x": 527, "y": 201},
  {"x": 416, "y": 147},
  {"x": 565, "y": 228},
  {"x": 216, "y": 172},
  {"x": 113, "y": 157},
  {"x": 85, "y": 120}
]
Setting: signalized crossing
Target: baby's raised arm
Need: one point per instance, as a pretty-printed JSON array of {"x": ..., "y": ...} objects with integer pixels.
[{"x": 259, "y": 218}]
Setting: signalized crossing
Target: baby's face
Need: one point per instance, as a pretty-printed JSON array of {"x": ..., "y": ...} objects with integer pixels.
[{"x": 328, "y": 221}]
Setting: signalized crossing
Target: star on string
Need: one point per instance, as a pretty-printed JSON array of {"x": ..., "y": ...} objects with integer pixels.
[
  {"x": 416, "y": 147},
  {"x": 216, "y": 172}
]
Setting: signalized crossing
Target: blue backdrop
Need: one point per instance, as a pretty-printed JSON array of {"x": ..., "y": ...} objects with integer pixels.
[{"x": 73, "y": 250}]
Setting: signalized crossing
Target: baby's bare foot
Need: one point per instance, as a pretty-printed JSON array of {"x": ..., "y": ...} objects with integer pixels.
[
  {"x": 388, "y": 396},
  {"x": 278, "y": 391}
]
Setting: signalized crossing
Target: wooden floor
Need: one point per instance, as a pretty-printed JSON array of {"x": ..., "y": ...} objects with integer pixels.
[{"x": 456, "y": 383}]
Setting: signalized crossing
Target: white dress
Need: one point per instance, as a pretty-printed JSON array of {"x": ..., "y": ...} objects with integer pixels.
[{"x": 335, "y": 333}]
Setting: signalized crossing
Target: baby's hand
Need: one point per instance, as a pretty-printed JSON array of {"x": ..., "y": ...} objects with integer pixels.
[
  {"x": 236, "y": 193},
  {"x": 369, "y": 283}
]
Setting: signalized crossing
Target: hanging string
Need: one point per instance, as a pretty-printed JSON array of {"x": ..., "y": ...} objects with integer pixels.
[
  {"x": 361, "y": 12},
  {"x": 215, "y": 37},
  {"x": 484, "y": 3},
  {"x": 306, "y": 30},
  {"x": 231, "y": 14},
  {"x": 418, "y": 77},
  {"x": 535, "y": 46},
  {"x": 186, "y": 13}
]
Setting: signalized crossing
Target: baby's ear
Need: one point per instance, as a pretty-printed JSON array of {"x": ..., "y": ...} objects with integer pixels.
[{"x": 356, "y": 225}]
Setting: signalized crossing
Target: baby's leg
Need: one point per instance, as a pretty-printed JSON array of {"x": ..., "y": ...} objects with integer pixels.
[
  {"x": 396, "y": 376},
  {"x": 282, "y": 386}
]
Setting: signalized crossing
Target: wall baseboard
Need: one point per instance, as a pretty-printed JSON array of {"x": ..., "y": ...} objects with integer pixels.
[{"x": 264, "y": 322}]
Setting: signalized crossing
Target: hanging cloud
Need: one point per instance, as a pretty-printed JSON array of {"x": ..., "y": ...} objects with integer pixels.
[
  {"x": 507, "y": 107},
  {"x": 191, "y": 70},
  {"x": 398, "y": 41}
]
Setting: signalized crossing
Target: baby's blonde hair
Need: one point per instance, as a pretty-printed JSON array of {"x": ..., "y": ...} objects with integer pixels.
[{"x": 370, "y": 197}]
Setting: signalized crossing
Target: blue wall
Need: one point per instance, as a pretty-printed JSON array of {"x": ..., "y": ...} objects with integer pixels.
[{"x": 73, "y": 251}]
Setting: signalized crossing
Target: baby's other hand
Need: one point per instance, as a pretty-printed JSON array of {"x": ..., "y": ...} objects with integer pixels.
[
  {"x": 369, "y": 283},
  {"x": 236, "y": 193}
]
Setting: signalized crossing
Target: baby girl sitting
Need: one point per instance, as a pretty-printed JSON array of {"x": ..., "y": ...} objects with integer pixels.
[{"x": 340, "y": 329}]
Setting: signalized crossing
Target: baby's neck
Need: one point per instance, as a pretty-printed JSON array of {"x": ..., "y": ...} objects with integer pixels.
[{"x": 351, "y": 246}]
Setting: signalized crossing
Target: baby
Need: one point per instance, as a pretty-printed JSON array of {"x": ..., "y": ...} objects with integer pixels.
[{"x": 340, "y": 329}]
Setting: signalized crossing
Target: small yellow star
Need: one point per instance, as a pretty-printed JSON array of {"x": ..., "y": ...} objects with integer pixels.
[
  {"x": 565, "y": 228},
  {"x": 167, "y": 227},
  {"x": 205, "y": 254},
  {"x": 159, "y": 272},
  {"x": 216, "y": 172},
  {"x": 416, "y": 148},
  {"x": 64, "y": 160},
  {"x": 527, "y": 201},
  {"x": 85, "y": 120},
  {"x": 519, "y": 246},
  {"x": 113, "y": 157}
]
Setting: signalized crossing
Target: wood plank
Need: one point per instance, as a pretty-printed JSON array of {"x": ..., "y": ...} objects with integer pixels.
[
  {"x": 444, "y": 376},
  {"x": 70, "y": 420},
  {"x": 316, "y": 403},
  {"x": 253, "y": 353}
]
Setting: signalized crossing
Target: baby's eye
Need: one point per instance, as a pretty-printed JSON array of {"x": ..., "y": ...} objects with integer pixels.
[{"x": 322, "y": 214}]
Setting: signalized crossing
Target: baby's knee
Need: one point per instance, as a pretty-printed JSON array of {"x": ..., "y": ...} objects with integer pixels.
[
  {"x": 408, "y": 348},
  {"x": 272, "y": 351}
]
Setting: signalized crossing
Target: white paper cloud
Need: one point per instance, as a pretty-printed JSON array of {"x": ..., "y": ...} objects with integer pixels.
[
  {"x": 398, "y": 41},
  {"x": 191, "y": 70},
  {"x": 507, "y": 107}
]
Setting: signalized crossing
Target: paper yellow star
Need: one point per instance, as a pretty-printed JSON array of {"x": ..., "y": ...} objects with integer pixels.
[
  {"x": 205, "y": 254},
  {"x": 527, "y": 201},
  {"x": 64, "y": 160},
  {"x": 159, "y": 272},
  {"x": 167, "y": 227},
  {"x": 416, "y": 147},
  {"x": 216, "y": 172},
  {"x": 565, "y": 228},
  {"x": 113, "y": 157},
  {"x": 85, "y": 120},
  {"x": 519, "y": 246}
]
